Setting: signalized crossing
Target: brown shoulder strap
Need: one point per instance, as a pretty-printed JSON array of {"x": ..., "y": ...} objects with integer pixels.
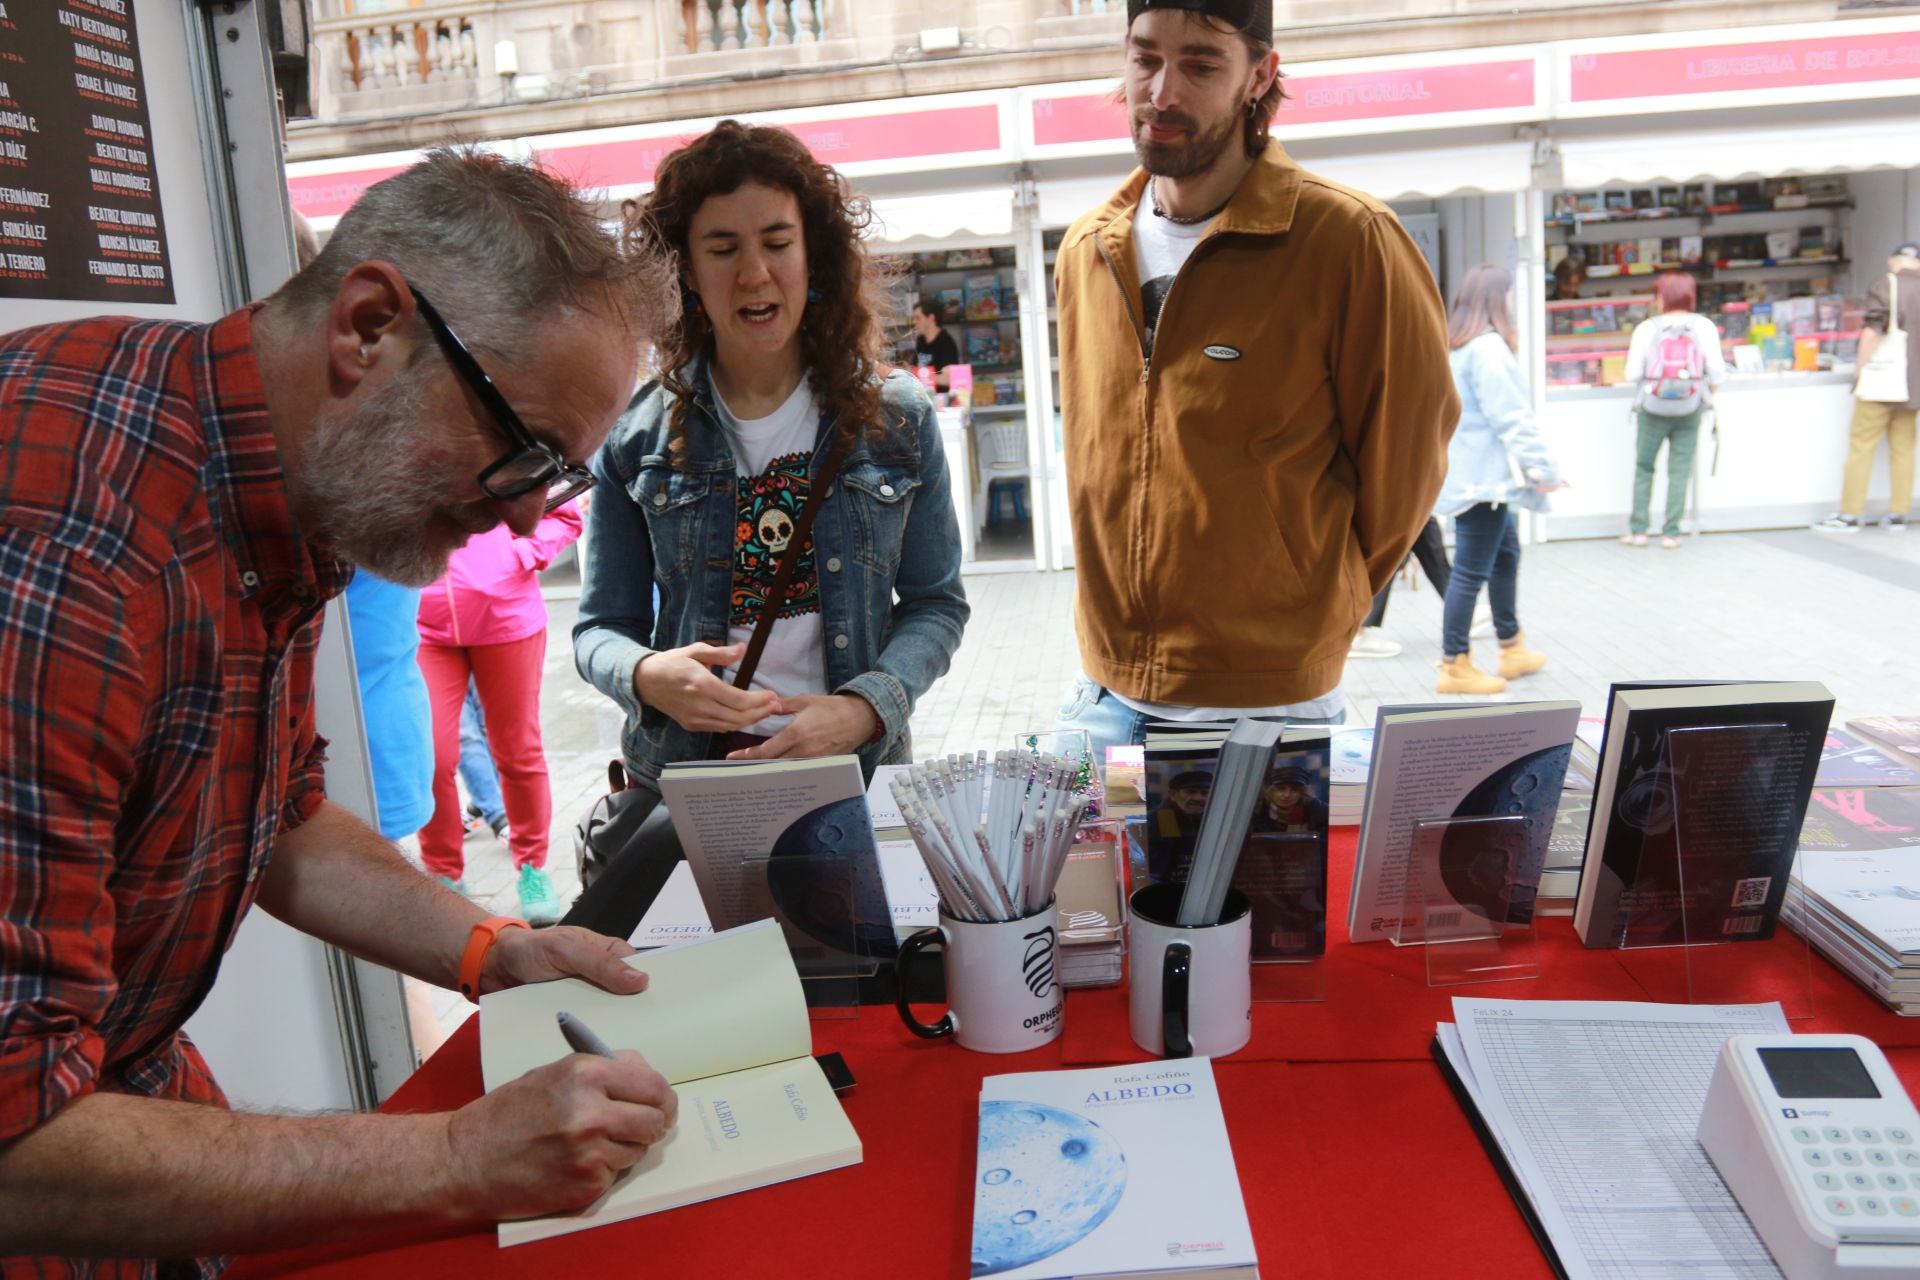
[{"x": 823, "y": 481}]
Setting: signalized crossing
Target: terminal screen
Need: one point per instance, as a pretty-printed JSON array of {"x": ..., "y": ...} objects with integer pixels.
[{"x": 1818, "y": 1073}]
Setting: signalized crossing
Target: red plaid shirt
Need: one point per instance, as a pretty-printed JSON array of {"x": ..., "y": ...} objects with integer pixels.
[{"x": 157, "y": 629}]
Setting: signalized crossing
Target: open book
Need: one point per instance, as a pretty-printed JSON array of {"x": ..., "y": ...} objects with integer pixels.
[{"x": 725, "y": 1021}]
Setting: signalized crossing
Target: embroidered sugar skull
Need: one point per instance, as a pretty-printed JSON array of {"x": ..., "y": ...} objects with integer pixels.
[{"x": 776, "y": 529}]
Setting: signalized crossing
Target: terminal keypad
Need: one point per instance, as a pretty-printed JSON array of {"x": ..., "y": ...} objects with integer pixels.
[{"x": 1861, "y": 1172}]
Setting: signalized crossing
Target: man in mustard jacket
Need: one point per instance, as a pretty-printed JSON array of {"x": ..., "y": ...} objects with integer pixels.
[{"x": 1256, "y": 394}]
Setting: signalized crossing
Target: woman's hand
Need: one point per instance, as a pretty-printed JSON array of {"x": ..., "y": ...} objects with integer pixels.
[
  {"x": 678, "y": 682},
  {"x": 823, "y": 725}
]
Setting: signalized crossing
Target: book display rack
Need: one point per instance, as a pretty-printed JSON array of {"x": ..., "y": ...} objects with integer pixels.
[{"x": 1468, "y": 900}]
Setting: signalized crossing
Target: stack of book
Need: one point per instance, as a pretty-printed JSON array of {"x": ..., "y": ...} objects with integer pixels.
[
  {"x": 1092, "y": 929},
  {"x": 1890, "y": 756},
  {"x": 1352, "y": 751},
  {"x": 1855, "y": 892}
]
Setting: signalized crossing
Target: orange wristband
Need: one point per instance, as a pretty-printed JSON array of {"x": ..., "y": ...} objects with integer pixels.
[{"x": 479, "y": 942}]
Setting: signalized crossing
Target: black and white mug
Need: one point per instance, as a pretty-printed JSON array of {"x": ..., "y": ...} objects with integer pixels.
[
  {"x": 1190, "y": 987},
  {"x": 1003, "y": 982}
]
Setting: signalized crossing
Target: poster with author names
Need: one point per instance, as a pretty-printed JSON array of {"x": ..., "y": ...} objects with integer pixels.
[{"x": 79, "y": 194}]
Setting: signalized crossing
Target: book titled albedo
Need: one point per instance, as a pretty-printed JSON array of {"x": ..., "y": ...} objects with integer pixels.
[{"x": 1111, "y": 1172}]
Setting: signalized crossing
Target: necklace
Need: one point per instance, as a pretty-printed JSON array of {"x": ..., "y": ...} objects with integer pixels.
[{"x": 1176, "y": 219}]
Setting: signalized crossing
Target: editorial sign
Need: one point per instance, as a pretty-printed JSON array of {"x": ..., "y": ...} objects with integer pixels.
[{"x": 79, "y": 194}]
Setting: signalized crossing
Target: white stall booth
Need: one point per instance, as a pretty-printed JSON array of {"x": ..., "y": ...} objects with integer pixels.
[{"x": 1775, "y": 166}]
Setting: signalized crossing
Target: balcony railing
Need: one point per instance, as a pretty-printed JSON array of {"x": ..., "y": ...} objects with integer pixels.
[
  {"x": 718, "y": 26},
  {"x": 394, "y": 54},
  {"x": 389, "y": 59}
]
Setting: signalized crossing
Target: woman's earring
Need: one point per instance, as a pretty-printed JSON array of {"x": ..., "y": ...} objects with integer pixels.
[{"x": 813, "y": 294}]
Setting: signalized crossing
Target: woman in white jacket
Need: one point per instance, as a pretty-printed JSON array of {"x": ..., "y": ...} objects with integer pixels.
[{"x": 1495, "y": 461}]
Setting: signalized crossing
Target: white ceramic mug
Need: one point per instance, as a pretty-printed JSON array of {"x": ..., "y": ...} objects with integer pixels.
[
  {"x": 1003, "y": 982},
  {"x": 1190, "y": 987}
]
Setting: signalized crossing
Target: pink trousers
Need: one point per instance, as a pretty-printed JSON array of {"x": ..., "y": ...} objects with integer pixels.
[{"x": 507, "y": 677}]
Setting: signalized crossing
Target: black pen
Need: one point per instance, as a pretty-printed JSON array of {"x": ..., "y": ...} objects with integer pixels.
[{"x": 579, "y": 1037}]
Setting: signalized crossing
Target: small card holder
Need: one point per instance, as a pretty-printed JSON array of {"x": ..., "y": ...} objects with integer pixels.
[{"x": 1468, "y": 900}]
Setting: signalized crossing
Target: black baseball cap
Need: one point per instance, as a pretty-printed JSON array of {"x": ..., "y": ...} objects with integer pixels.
[
  {"x": 1252, "y": 16},
  {"x": 1189, "y": 780},
  {"x": 1911, "y": 249}
]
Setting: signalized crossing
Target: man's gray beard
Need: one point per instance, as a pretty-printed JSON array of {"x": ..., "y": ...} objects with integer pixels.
[
  {"x": 1184, "y": 159},
  {"x": 367, "y": 486}
]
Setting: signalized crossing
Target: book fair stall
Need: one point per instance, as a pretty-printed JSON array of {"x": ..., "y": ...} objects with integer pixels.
[
  {"x": 1775, "y": 165},
  {"x": 1624, "y": 991}
]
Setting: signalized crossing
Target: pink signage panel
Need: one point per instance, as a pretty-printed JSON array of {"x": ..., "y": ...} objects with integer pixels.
[
  {"x": 851, "y": 140},
  {"x": 1772, "y": 64},
  {"x": 1327, "y": 99},
  {"x": 324, "y": 195}
]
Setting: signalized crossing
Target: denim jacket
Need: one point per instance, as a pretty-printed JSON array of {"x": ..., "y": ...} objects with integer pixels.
[
  {"x": 1496, "y": 454},
  {"x": 887, "y": 547}
]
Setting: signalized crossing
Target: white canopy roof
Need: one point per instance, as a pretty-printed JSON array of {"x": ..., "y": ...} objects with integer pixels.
[
  {"x": 1388, "y": 175},
  {"x": 985, "y": 213},
  {"x": 1690, "y": 155}
]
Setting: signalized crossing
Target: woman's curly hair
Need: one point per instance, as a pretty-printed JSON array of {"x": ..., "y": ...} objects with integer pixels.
[{"x": 840, "y": 337}]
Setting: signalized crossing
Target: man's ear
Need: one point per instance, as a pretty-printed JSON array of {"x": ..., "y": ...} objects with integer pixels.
[
  {"x": 1265, "y": 73},
  {"x": 371, "y": 320}
]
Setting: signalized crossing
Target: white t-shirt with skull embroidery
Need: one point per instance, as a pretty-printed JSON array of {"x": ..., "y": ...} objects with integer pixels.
[{"x": 773, "y": 458}]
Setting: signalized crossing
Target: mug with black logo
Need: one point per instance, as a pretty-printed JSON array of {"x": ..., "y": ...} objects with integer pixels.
[{"x": 1003, "y": 983}]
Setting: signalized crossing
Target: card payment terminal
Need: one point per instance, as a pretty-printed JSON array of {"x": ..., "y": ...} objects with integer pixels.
[{"x": 1817, "y": 1140}]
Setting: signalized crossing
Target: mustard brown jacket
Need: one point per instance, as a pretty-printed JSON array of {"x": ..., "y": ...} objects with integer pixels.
[{"x": 1238, "y": 499}]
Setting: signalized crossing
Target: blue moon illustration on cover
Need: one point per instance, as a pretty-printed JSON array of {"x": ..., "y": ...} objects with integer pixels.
[
  {"x": 1491, "y": 876},
  {"x": 811, "y": 891},
  {"x": 1047, "y": 1178}
]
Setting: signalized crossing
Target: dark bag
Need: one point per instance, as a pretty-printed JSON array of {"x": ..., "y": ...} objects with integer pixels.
[{"x": 613, "y": 823}]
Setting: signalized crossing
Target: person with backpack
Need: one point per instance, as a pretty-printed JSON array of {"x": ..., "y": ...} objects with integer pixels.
[{"x": 1674, "y": 360}]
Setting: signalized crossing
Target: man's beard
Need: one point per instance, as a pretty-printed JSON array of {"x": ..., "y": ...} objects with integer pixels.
[
  {"x": 1197, "y": 154},
  {"x": 368, "y": 484}
]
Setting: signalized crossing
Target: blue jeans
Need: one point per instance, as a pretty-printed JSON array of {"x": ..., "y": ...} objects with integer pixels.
[
  {"x": 476, "y": 761},
  {"x": 1111, "y": 722},
  {"x": 1486, "y": 550}
]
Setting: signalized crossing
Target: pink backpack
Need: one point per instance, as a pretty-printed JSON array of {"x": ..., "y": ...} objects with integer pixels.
[{"x": 1677, "y": 367}]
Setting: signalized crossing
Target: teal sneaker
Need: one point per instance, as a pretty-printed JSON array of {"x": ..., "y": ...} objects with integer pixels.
[
  {"x": 538, "y": 902},
  {"x": 458, "y": 886}
]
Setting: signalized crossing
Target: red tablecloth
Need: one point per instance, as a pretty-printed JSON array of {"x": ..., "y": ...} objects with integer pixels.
[{"x": 1341, "y": 1125}]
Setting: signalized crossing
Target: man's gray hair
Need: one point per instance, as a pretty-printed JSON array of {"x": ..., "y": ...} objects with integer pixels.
[{"x": 496, "y": 245}]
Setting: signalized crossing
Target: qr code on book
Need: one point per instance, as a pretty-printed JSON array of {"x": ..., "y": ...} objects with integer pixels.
[{"x": 1751, "y": 893}]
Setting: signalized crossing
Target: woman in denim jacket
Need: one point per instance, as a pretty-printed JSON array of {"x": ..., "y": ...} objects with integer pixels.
[
  {"x": 777, "y": 349},
  {"x": 1495, "y": 461}
]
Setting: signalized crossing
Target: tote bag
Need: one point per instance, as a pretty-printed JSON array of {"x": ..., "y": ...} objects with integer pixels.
[{"x": 1883, "y": 379}]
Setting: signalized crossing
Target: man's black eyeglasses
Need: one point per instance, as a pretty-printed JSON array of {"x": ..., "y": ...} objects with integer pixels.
[{"x": 529, "y": 464}]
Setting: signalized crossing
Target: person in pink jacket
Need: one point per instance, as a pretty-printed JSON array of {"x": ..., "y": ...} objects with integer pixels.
[{"x": 486, "y": 620}]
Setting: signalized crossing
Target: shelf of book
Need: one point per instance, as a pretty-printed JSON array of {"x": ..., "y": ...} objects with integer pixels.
[{"x": 1708, "y": 214}]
